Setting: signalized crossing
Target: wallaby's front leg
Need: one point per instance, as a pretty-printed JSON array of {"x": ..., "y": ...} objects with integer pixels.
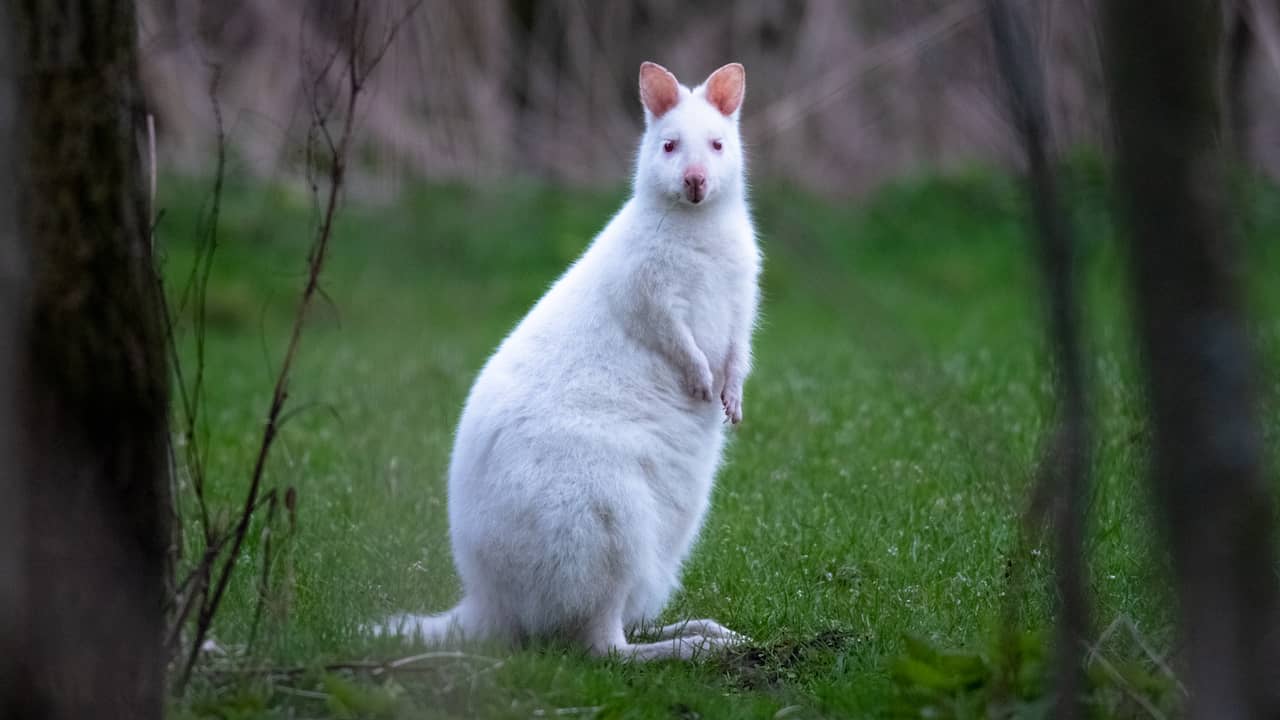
[
  {"x": 731, "y": 395},
  {"x": 656, "y": 315},
  {"x": 693, "y": 362},
  {"x": 675, "y": 340},
  {"x": 737, "y": 361}
]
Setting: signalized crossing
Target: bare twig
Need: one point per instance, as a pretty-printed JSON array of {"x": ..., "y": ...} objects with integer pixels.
[
  {"x": 422, "y": 662},
  {"x": 375, "y": 58},
  {"x": 151, "y": 175},
  {"x": 586, "y": 710},
  {"x": 406, "y": 662},
  {"x": 195, "y": 584},
  {"x": 1139, "y": 695},
  {"x": 191, "y": 591},
  {"x": 1124, "y": 622},
  {"x": 197, "y": 291},
  {"x": 356, "y": 73},
  {"x": 174, "y": 554},
  {"x": 297, "y": 692},
  {"x": 265, "y": 578}
]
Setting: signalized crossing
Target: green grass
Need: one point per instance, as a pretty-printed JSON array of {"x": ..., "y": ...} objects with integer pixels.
[{"x": 873, "y": 494}]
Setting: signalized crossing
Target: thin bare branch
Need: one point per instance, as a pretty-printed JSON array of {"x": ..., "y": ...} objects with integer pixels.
[
  {"x": 337, "y": 166},
  {"x": 422, "y": 662}
]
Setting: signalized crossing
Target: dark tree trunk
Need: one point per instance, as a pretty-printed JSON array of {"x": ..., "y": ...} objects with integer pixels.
[
  {"x": 91, "y": 396},
  {"x": 1207, "y": 471},
  {"x": 13, "y": 271}
]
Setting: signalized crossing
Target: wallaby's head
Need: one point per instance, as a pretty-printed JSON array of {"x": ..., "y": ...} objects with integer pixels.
[{"x": 691, "y": 151}]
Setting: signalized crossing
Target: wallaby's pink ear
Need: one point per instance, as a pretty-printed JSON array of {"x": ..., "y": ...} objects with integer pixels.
[
  {"x": 659, "y": 90},
  {"x": 726, "y": 87}
]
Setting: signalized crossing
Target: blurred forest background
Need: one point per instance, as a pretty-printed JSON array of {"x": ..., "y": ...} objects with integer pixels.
[{"x": 842, "y": 96}]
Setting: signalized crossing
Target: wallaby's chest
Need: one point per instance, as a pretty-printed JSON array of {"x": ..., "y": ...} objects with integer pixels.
[{"x": 711, "y": 288}]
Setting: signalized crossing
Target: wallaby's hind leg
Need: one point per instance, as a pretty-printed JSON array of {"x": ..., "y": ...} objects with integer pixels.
[{"x": 705, "y": 628}]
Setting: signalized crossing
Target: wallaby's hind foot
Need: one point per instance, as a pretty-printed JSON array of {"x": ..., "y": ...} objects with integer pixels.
[
  {"x": 682, "y": 647},
  {"x": 689, "y": 640},
  {"x": 706, "y": 628}
]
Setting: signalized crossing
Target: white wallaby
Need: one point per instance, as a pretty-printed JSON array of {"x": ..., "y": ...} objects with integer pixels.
[{"x": 586, "y": 453}]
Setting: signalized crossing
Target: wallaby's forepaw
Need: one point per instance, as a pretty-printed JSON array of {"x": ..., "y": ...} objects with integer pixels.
[
  {"x": 731, "y": 398},
  {"x": 698, "y": 382}
]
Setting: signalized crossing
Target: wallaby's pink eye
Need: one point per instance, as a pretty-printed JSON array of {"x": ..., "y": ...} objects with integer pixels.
[
  {"x": 669, "y": 146},
  {"x": 717, "y": 145}
]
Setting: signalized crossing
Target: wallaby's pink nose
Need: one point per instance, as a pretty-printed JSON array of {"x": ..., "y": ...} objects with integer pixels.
[{"x": 695, "y": 185}]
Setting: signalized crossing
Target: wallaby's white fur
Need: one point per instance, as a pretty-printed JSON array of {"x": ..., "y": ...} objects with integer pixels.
[{"x": 585, "y": 456}]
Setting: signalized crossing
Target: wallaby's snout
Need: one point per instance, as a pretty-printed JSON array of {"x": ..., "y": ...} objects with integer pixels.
[{"x": 695, "y": 184}]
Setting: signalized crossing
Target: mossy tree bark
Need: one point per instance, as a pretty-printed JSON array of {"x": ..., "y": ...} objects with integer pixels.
[{"x": 90, "y": 404}]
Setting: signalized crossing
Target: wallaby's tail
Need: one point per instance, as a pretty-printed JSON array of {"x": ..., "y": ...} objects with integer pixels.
[{"x": 451, "y": 626}]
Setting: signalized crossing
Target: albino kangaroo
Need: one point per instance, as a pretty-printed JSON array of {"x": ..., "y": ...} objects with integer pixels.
[{"x": 586, "y": 453}]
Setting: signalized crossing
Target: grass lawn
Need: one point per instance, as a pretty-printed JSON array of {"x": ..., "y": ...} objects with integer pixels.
[{"x": 869, "y": 505}]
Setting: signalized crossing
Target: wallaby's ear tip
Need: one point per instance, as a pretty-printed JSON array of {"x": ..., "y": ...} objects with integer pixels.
[
  {"x": 733, "y": 71},
  {"x": 648, "y": 66},
  {"x": 726, "y": 86},
  {"x": 659, "y": 90}
]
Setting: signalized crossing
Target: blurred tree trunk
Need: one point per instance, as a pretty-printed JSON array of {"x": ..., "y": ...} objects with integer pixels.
[
  {"x": 1064, "y": 479},
  {"x": 89, "y": 410},
  {"x": 12, "y": 307},
  {"x": 1199, "y": 366}
]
